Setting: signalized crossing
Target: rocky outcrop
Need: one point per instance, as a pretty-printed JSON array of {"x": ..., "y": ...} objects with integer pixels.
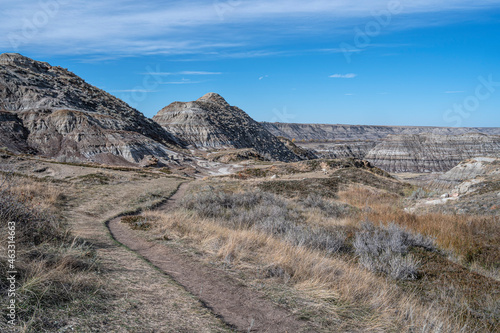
[
  {"x": 343, "y": 149},
  {"x": 302, "y": 153},
  {"x": 468, "y": 170},
  {"x": 471, "y": 187},
  {"x": 66, "y": 118},
  {"x": 14, "y": 135},
  {"x": 326, "y": 132},
  {"x": 394, "y": 148},
  {"x": 429, "y": 152},
  {"x": 211, "y": 123}
]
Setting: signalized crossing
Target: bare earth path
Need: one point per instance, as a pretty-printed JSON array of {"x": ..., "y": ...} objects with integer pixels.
[
  {"x": 140, "y": 299},
  {"x": 239, "y": 306}
]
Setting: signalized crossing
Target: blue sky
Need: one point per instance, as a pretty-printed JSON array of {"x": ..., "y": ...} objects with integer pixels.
[{"x": 418, "y": 62}]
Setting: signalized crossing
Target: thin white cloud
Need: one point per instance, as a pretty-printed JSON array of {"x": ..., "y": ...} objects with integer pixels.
[
  {"x": 344, "y": 76},
  {"x": 200, "y": 73},
  {"x": 182, "y": 82},
  {"x": 454, "y": 92},
  {"x": 349, "y": 94},
  {"x": 134, "y": 90},
  {"x": 263, "y": 77},
  {"x": 183, "y": 73},
  {"x": 129, "y": 28}
]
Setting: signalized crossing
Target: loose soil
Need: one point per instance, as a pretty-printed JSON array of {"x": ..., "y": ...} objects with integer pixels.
[{"x": 241, "y": 307}]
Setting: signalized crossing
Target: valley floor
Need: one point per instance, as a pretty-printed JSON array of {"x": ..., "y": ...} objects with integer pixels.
[{"x": 286, "y": 237}]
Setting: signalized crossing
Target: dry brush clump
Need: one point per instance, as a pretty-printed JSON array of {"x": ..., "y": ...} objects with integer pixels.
[
  {"x": 270, "y": 214},
  {"x": 472, "y": 239},
  {"x": 54, "y": 269},
  {"x": 358, "y": 300},
  {"x": 280, "y": 238},
  {"x": 386, "y": 249}
]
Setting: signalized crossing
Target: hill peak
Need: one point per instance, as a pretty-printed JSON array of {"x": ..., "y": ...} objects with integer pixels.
[
  {"x": 13, "y": 56},
  {"x": 211, "y": 123},
  {"x": 17, "y": 59},
  {"x": 214, "y": 98}
]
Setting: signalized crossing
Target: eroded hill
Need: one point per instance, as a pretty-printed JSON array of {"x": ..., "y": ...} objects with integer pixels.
[
  {"x": 211, "y": 123},
  {"x": 51, "y": 111}
]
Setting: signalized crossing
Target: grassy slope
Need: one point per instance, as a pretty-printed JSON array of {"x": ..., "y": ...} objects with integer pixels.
[
  {"x": 333, "y": 290},
  {"x": 118, "y": 291}
]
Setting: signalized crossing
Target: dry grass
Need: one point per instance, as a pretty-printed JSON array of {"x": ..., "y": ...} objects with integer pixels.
[
  {"x": 440, "y": 297},
  {"x": 54, "y": 268},
  {"x": 357, "y": 299},
  {"x": 473, "y": 239}
]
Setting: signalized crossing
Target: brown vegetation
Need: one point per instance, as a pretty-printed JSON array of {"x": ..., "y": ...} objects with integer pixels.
[
  {"x": 54, "y": 269},
  {"x": 248, "y": 235},
  {"x": 472, "y": 239}
]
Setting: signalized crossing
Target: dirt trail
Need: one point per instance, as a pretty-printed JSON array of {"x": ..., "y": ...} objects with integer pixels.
[
  {"x": 138, "y": 297},
  {"x": 243, "y": 308}
]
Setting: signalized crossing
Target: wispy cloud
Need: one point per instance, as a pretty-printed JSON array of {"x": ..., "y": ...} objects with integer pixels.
[
  {"x": 349, "y": 94},
  {"x": 454, "y": 92},
  {"x": 344, "y": 76},
  {"x": 183, "y": 81},
  {"x": 134, "y": 90},
  {"x": 183, "y": 73},
  {"x": 263, "y": 77},
  {"x": 130, "y": 28}
]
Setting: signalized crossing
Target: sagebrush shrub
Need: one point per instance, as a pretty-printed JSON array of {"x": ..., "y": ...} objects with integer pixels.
[
  {"x": 328, "y": 208},
  {"x": 386, "y": 249},
  {"x": 268, "y": 213}
]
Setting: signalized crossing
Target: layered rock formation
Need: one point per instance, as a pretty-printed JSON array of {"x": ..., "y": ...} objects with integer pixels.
[
  {"x": 430, "y": 152},
  {"x": 211, "y": 123},
  {"x": 14, "y": 135},
  {"x": 468, "y": 170},
  {"x": 472, "y": 187},
  {"x": 342, "y": 149},
  {"x": 394, "y": 148},
  {"x": 326, "y": 132},
  {"x": 59, "y": 115}
]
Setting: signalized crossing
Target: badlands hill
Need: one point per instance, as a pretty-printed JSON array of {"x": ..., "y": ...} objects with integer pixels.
[
  {"x": 210, "y": 123},
  {"x": 327, "y": 132},
  {"x": 50, "y": 111},
  {"x": 471, "y": 187},
  {"x": 394, "y": 148}
]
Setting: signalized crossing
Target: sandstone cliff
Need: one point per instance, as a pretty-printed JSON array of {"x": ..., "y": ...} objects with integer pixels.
[
  {"x": 430, "y": 152},
  {"x": 394, "y": 148},
  {"x": 211, "y": 123},
  {"x": 327, "y": 132},
  {"x": 61, "y": 116}
]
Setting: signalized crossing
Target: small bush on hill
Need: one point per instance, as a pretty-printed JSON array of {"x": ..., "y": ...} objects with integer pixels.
[
  {"x": 268, "y": 213},
  {"x": 386, "y": 249}
]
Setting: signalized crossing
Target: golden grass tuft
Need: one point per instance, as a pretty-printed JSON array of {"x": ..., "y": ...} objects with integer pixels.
[
  {"x": 54, "y": 268},
  {"x": 472, "y": 239},
  {"x": 362, "y": 301}
]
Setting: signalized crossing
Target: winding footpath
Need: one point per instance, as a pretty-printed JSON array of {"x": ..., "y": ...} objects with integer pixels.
[{"x": 241, "y": 307}]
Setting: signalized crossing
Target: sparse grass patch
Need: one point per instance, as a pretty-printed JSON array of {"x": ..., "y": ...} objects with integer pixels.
[
  {"x": 137, "y": 222},
  {"x": 325, "y": 187},
  {"x": 165, "y": 170},
  {"x": 297, "y": 240},
  {"x": 55, "y": 270},
  {"x": 357, "y": 299},
  {"x": 473, "y": 239},
  {"x": 270, "y": 214},
  {"x": 95, "y": 178}
]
